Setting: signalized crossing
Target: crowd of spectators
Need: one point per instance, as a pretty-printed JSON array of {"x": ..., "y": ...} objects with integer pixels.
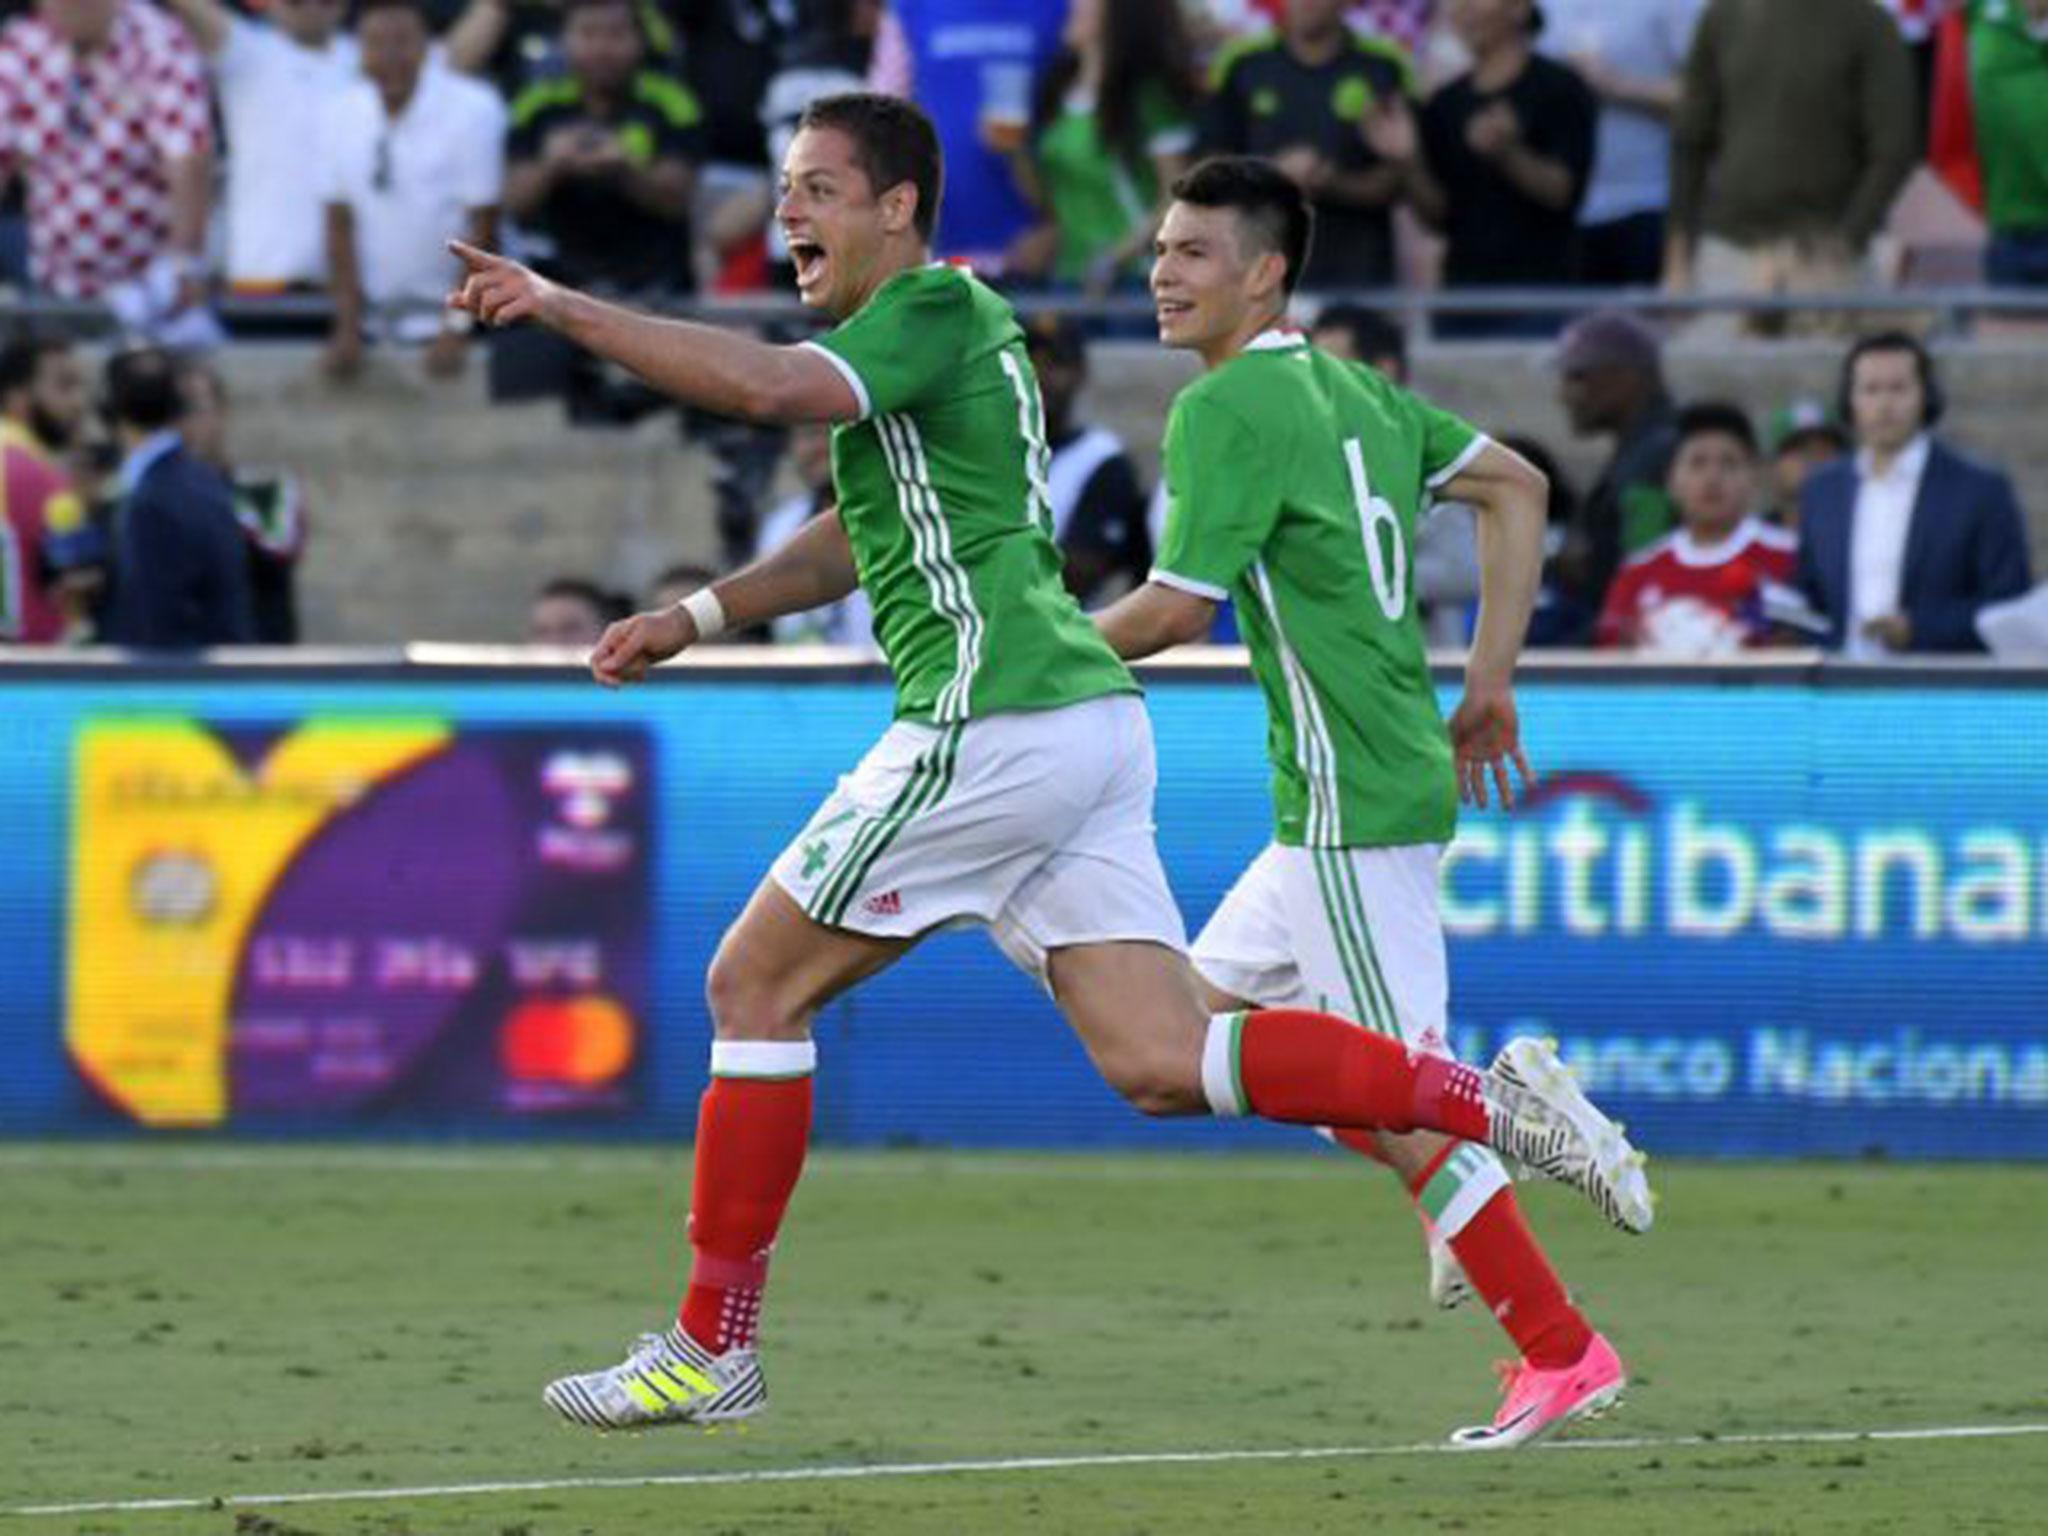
[
  {"x": 1848, "y": 525},
  {"x": 165, "y": 152},
  {"x": 145, "y": 533},
  {"x": 170, "y": 151},
  {"x": 1863, "y": 532}
]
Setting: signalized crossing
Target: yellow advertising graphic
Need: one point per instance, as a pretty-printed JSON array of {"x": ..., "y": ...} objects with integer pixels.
[{"x": 176, "y": 845}]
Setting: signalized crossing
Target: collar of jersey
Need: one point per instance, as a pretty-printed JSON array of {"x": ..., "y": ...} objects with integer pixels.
[
  {"x": 1688, "y": 551},
  {"x": 1278, "y": 339}
]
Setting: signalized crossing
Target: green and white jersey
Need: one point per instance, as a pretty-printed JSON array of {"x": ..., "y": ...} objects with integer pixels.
[
  {"x": 1295, "y": 484},
  {"x": 941, "y": 486}
]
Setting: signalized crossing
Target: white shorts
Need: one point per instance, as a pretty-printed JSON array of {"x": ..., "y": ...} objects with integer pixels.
[
  {"x": 1036, "y": 823},
  {"x": 1352, "y": 931}
]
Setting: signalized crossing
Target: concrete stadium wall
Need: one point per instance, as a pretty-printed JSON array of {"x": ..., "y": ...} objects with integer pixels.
[{"x": 437, "y": 513}]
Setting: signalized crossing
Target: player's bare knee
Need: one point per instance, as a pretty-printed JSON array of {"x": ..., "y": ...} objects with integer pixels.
[
  {"x": 747, "y": 1002},
  {"x": 1157, "y": 1082}
]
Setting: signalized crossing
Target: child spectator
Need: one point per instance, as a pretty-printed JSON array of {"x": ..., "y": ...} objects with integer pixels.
[{"x": 1700, "y": 591}]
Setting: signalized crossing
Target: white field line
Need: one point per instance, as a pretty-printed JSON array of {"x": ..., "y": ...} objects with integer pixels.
[{"x": 855, "y": 1472}]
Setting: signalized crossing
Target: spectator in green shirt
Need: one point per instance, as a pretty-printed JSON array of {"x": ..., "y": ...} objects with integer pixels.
[
  {"x": 2009, "y": 94},
  {"x": 1111, "y": 126}
]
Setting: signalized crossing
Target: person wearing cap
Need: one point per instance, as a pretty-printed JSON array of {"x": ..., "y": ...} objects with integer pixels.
[
  {"x": 1804, "y": 436},
  {"x": 1497, "y": 162},
  {"x": 1611, "y": 384},
  {"x": 1098, "y": 501}
]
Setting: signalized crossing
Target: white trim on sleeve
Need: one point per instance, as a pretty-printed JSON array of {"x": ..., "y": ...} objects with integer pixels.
[
  {"x": 846, "y": 372},
  {"x": 1479, "y": 444},
  {"x": 1188, "y": 584}
]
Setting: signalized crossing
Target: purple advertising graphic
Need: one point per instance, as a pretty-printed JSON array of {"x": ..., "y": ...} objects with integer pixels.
[
  {"x": 396, "y": 920},
  {"x": 470, "y": 936}
]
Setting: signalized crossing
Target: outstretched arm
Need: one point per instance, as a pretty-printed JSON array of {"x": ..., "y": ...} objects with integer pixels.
[
  {"x": 701, "y": 365},
  {"x": 811, "y": 570},
  {"x": 1510, "y": 497}
]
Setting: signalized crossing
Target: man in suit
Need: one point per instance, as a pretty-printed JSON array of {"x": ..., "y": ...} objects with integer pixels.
[
  {"x": 181, "y": 569},
  {"x": 1903, "y": 542}
]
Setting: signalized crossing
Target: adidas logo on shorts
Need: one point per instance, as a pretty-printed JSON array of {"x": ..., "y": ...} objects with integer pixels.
[{"x": 888, "y": 904}]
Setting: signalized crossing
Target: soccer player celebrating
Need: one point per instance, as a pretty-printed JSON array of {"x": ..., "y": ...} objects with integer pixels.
[
  {"x": 1296, "y": 481},
  {"x": 1014, "y": 789}
]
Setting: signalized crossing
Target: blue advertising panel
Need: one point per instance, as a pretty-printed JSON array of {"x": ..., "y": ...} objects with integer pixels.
[{"x": 1765, "y": 913}]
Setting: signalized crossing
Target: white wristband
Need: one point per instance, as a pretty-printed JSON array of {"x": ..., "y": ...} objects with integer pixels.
[{"x": 707, "y": 612}]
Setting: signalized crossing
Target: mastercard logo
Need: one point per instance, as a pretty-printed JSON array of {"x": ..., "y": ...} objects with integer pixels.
[{"x": 578, "y": 1042}]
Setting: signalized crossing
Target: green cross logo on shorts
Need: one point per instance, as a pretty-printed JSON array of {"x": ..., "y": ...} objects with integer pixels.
[{"x": 816, "y": 852}]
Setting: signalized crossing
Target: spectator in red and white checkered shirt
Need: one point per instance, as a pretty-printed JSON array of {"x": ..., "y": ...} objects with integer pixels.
[{"x": 103, "y": 111}]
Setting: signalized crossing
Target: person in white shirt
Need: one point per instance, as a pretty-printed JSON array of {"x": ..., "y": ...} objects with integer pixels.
[
  {"x": 1632, "y": 56},
  {"x": 1902, "y": 545},
  {"x": 415, "y": 156},
  {"x": 273, "y": 81}
]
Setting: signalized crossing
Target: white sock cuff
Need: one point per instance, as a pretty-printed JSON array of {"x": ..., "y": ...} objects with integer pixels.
[
  {"x": 763, "y": 1058},
  {"x": 1482, "y": 1176},
  {"x": 1222, "y": 1081}
]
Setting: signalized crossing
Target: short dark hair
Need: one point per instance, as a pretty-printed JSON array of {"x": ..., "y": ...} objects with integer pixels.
[
  {"x": 893, "y": 142},
  {"x": 607, "y": 605},
  {"x": 686, "y": 573},
  {"x": 22, "y": 355},
  {"x": 416, "y": 7},
  {"x": 1058, "y": 337},
  {"x": 570, "y": 8},
  {"x": 1718, "y": 418},
  {"x": 142, "y": 388},
  {"x": 1372, "y": 333},
  {"x": 1262, "y": 197}
]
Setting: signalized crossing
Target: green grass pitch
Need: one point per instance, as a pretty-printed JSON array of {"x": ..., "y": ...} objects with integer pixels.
[{"x": 199, "y": 1323}]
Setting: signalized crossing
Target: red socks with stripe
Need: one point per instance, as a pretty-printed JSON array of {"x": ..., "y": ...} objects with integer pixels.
[
  {"x": 1502, "y": 1259},
  {"x": 1317, "y": 1069},
  {"x": 752, "y": 1128}
]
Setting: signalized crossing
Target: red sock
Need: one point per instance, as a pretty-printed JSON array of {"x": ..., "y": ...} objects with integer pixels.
[
  {"x": 751, "y": 1134},
  {"x": 1365, "y": 1143},
  {"x": 1500, "y": 1256},
  {"x": 1317, "y": 1069}
]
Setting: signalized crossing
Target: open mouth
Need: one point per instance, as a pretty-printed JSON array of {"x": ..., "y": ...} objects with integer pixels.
[
  {"x": 809, "y": 259},
  {"x": 1173, "y": 310}
]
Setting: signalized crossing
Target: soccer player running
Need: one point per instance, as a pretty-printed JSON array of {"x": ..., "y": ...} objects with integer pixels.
[
  {"x": 1295, "y": 482},
  {"x": 1014, "y": 788}
]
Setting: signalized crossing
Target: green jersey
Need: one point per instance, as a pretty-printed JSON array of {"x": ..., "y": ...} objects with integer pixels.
[
  {"x": 1295, "y": 484},
  {"x": 942, "y": 491},
  {"x": 2009, "y": 89}
]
